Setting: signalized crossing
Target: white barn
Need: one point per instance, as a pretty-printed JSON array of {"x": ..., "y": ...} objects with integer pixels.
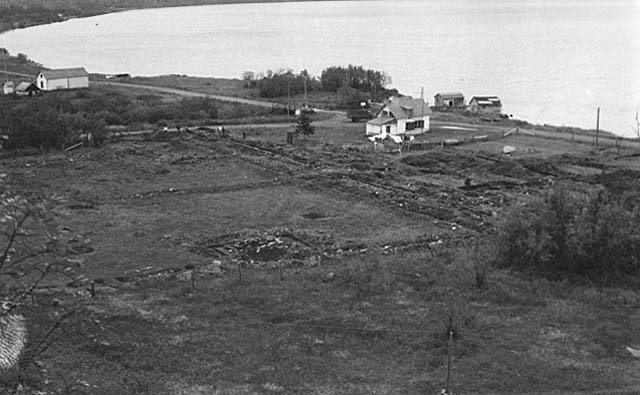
[
  {"x": 400, "y": 116},
  {"x": 73, "y": 78}
]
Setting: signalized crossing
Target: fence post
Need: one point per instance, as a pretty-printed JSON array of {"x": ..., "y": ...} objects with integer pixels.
[{"x": 449, "y": 348}]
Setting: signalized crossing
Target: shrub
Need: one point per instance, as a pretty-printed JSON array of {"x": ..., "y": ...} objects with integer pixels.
[{"x": 592, "y": 236}]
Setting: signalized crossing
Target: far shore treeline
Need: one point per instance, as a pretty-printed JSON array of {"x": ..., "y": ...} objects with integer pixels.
[{"x": 16, "y": 14}]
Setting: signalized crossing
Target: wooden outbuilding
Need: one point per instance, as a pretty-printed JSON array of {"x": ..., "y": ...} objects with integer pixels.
[
  {"x": 485, "y": 104},
  {"x": 449, "y": 100},
  {"x": 7, "y": 87},
  {"x": 26, "y": 88}
]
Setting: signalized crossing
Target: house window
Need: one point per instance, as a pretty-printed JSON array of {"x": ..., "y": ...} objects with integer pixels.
[
  {"x": 410, "y": 113},
  {"x": 411, "y": 125},
  {"x": 388, "y": 129},
  {"x": 41, "y": 84},
  {"x": 420, "y": 124}
]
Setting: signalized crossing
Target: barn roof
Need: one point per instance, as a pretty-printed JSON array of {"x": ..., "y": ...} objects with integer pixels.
[
  {"x": 401, "y": 106},
  {"x": 64, "y": 73},
  {"x": 487, "y": 101},
  {"x": 450, "y": 95}
]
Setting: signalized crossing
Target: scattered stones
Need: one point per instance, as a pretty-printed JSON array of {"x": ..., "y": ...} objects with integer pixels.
[{"x": 185, "y": 276}]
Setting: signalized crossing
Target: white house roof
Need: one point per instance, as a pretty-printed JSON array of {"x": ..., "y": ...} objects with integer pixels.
[
  {"x": 381, "y": 121},
  {"x": 64, "y": 73},
  {"x": 400, "y": 107}
]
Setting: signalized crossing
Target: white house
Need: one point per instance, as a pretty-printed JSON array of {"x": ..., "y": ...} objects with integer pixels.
[
  {"x": 50, "y": 80},
  {"x": 400, "y": 116}
]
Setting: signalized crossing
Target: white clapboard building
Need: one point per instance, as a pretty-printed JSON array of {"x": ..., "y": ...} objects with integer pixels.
[{"x": 72, "y": 78}]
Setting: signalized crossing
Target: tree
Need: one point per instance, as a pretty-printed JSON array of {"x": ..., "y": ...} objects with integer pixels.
[
  {"x": 303, "y": 123},
  {"x": 30, "y": 251}
]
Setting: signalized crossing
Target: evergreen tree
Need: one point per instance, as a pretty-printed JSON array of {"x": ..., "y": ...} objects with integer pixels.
[{"x": 303, "y": 123}]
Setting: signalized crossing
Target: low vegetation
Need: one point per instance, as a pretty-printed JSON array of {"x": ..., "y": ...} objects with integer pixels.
[
  {"x": 569, "y": 234},
  {"x": 19, "y": 63},
  {"x": 56, "y": 119}
]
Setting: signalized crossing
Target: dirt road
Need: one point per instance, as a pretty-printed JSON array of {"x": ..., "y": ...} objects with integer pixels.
[{"x": 186, "y": 93}]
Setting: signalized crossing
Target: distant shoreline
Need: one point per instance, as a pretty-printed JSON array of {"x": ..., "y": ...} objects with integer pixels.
[{"x": 25, "y": 18}]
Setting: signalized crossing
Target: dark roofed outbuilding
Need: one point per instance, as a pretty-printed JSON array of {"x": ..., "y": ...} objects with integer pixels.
[{"x": 449, "y": 99}]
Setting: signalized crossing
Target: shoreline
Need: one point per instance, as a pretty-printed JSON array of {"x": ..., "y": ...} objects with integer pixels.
[
  {"x": 58, "y": 15},
  {"x": 4, "y": 27}
]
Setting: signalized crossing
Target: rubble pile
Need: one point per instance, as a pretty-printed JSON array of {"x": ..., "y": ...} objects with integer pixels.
[{"x": 284, "y": 245}]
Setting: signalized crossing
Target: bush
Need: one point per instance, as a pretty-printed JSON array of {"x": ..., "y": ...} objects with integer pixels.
[{"x": 592, "y": 236}]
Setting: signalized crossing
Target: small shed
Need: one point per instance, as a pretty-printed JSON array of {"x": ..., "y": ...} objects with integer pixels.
[
  {"x": 449, "y": 100},
  {"x": 26, "y": 88},
  {"x": 71, "y": 78},
  {"x": 7, "y": 87},
  {"x": 486, "y": 104}
]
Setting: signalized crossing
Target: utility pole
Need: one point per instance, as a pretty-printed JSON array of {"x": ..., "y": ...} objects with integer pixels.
[
  {"x": 306, "y": 103},
  {"x": 597, "y": 126}
]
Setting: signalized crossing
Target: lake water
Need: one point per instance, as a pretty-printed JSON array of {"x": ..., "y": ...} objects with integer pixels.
[{"x": 550, "y": 61}]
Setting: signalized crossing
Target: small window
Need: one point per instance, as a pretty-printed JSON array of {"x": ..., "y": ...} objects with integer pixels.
[
  {"x": 420, "y": 124},
  {"x": 411, "y": 125}
]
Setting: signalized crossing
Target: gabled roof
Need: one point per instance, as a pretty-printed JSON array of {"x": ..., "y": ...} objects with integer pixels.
[
  {"x": 64, "y": 73},
  {"x": 25, "y": 85},
  {"x": 450, "y": 95},
  {"x": 487, "y": 101},
  {"x": 400, "y": 107}
]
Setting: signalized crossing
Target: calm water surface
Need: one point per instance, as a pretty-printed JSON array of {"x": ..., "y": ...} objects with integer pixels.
[{"x": 551, "y": 61}]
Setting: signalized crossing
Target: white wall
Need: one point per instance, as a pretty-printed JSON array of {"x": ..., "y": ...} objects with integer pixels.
[
  {"x": 79, "y": 82},
  {"x": 402, "y": 127},
  {"x": 61, "y": 83},
  {"x": 373, "y": 130}
]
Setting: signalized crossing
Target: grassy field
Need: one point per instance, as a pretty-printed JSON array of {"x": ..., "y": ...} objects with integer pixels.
[{"x": 371, "y": 260}]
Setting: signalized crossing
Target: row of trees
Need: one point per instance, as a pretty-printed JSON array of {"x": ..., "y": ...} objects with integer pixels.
[
  {"x": 281, "y": 83},
  {"x": 351, "y": 80}
]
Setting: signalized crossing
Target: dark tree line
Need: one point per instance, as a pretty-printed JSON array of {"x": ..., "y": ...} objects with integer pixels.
[
  {"x": 356, "y": 77},
  {"x": 281, "y": 83},
  {"x": 352, "y": 81}
]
